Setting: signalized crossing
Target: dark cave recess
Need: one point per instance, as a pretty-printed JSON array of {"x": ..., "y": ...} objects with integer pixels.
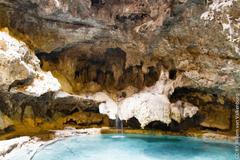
[{"x": 107, "y": 69}]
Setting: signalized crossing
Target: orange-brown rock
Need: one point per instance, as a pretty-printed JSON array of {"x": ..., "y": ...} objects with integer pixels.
[{"x": 121, "y": 47}]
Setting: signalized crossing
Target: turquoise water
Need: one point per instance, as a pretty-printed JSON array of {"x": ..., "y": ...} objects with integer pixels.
[{"x": 135, "y": 147}]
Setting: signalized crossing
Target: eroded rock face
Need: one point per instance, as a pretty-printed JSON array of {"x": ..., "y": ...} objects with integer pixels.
[
  {"x": 31, "y": 95},
  {"x": 107, "y": 23},
  {"x": 215, "y": 110},
  {"x": 150, "y": 104},
  {"x": 119, "y": 49},
  {"x": 20, "y": 67},
  {"x": 5, "y": 121},
  {"x": 183, "y": 36},
  {"x": 144, "y": 30},
  {"x": 92, "y": 73}
]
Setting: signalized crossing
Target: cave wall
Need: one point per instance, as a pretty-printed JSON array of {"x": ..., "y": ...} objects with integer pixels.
[
  {"x": 122, "y": 47},
  {"x": 198, "y": 38},
  {"x": 102, "y": 71},
  {"x": 49, "y": 111},
  {"x": 215, "y": 109},
  {"x": 31, "y": 99}
]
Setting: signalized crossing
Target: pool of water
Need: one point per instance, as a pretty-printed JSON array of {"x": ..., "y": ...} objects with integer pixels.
[{"x": 135, "y": 147}]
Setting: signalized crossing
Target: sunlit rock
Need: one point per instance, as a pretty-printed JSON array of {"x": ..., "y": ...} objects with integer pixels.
[
  {"x": 150, "y": 104},
  {"x": 20, "y": 68}
]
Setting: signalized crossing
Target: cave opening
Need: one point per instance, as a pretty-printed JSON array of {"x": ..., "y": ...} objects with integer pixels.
[
  {"x": 74, "y": 110},
  {"x": 173, "y": 74},
  {"x": 151, "y": 77},
  {"x": 53, "y": 56},
  {"x": 97, "y": 3},
  {"x": 49, "y": 113},
  {"x": 71, "y": 122}
]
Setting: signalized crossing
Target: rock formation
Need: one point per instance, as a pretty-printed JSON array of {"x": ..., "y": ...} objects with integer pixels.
[
  {"x": 151, "y": 104},
  {"x": 173, "y": 62},
  {"x": 20, "y": 67},
  {"x": 31, "y": 95}
]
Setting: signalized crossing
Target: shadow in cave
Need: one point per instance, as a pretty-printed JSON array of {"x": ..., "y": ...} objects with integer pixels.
[
  {"x": 107, "y": 70},
  {"x": 186, "y": 124}
]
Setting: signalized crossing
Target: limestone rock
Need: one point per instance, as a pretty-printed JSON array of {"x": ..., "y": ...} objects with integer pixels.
[
  {"x": 214, "y": 111},
  {"x": 12, "y": 65},
  {"x": 151, "y": 104},
  {"x": 217, "y": 117},
  {"x": 187, "y": 32},
  {"x": 28, "y": 112},
  {"x": 155, "y": 47},
  {"x": 84, "y": 119},
  {"x": 181, "y": 110},
  {"x": 20, "y": 69},
  {"x": 28, "y": 116},
  {"x": 189, "y": 110},
  {"x": 5, "y": 121},
  {"x": 176, "y": 111}
]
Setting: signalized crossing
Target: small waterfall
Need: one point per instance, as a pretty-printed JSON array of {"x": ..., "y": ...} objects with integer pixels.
[{"x": 118, "y": 125}]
